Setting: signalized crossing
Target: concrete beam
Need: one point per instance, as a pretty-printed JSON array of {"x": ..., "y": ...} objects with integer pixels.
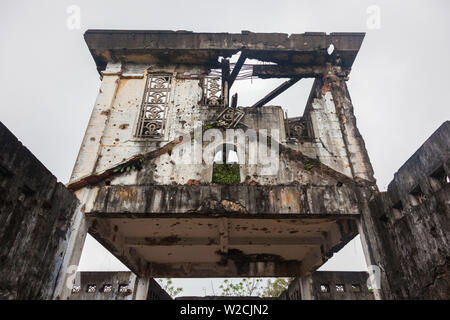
[
  {"x": 172, "y": 241},
  {"x": 147, "y": 46},
  {"x": 230, "y": 269},
  {"x": 275, "y": 92},
  {"x": 237, "y": 68}
]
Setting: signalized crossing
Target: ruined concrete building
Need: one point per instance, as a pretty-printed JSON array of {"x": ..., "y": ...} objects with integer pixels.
[
  {"x": 169, "y": 219},
  {"x": 157, "y": 188}
]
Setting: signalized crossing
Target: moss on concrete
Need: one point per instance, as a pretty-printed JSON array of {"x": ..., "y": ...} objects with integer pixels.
[{"x": 224, "y": 173}]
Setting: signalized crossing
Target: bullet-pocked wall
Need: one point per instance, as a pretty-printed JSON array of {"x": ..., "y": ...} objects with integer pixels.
[{"x": 112, "y": 136}]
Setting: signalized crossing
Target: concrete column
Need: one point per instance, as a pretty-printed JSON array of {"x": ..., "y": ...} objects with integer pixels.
[
  {"x": 354, "y": 143},
  {"x": 327, "y": 131},
  {"x": 376, "y": 250},
  {"x": 141, "y": 286},
  {"x": 306, "y": 289},
  {"x": 88, "y": 155},
  {"x": 78, "y": 230}
]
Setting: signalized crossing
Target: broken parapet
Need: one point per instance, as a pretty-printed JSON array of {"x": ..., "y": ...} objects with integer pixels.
[
  {"x": 407, "y": 233},
  {"x": 39, "y": 224},
  {"x": 116, "y": 285},
  {"x": 330, "y": 285}
]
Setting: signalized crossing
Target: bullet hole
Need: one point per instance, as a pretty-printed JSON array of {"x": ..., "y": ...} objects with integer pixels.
[
  {"x": 124, "y": 126},
  {"x": 92, "y": 139}
]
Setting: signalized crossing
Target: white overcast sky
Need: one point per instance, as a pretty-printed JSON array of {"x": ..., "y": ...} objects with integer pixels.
[{"x": 399, "y": 83}]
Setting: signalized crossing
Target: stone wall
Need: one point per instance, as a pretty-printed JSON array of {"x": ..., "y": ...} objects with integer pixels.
[
  {"x": 37, "y": 218},
  {"x": 406, "y": 232},
  {"x": 329, "y": 285}
]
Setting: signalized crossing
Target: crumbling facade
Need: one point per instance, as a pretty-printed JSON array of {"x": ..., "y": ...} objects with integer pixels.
[
  {"x": 406, "y": 232},
  {"x": 165, "y": 95},
  {"x": 157, "y": 187}
]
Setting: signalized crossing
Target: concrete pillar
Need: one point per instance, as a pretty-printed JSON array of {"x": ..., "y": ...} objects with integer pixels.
[
  {"x": 78, "y": 231},
  {"x": 370, "y": 260},
  {"x": 354, "y": 143},
  {"x": 141, "y": 286},
  {"x": 306, "y": 290},
  {"x": 91, "y": 146},
  {"x": 327, "y": 131}
]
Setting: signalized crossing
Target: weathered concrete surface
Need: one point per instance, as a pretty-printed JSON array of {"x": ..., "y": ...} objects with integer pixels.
[
  {"x": 153, "y": 46},
  {"x": 116, "y": 285},
  {"x": 224, "y": 245},
  {"x": 329, "y": 285},
  {"x": 406, "y": 232},
  {"x": 39, "y": 222},
  {"x": 296, "y": 226},
  {"x": 142, "y": 200}
]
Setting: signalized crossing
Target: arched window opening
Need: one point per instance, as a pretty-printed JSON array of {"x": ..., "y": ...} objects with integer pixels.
[{"x": 226, "y": 169}]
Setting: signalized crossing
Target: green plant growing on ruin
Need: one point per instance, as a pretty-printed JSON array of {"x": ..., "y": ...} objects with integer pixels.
[
  {"x": 167, "y": 284},
  {"x": 224, "y": 173},
  {"x": 244, "y": 288},
  {"x": 274, "y": 288},
  {"x": 136, "y": 165},
  {"x": 308, "y": 166}
]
